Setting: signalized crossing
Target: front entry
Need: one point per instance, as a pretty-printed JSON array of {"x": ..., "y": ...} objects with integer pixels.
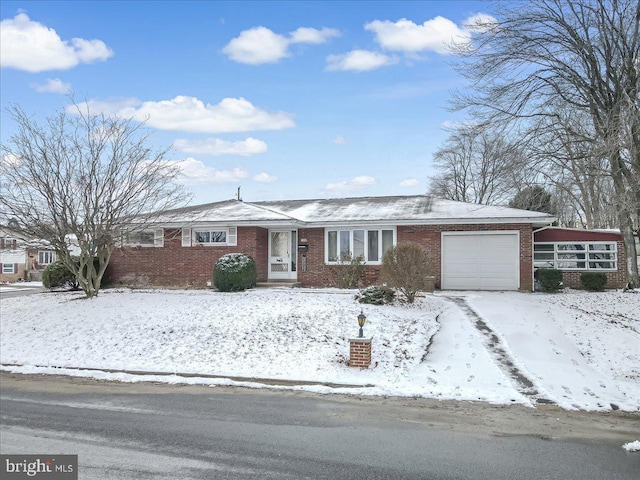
[{"x": 283, "y": 252}]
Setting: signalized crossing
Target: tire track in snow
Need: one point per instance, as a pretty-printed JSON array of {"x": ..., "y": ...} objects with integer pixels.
[{"x": 497, "y": 351}]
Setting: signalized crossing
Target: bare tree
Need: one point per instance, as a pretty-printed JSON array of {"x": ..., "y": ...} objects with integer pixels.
[
  {"x": 581, "y": 53},
  {"x": 565, "y": 151},
  {"x": 79, "y": 179},
  {"x": 478, "y": 166}
]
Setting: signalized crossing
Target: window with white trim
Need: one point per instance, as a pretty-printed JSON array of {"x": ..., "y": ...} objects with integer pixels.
[
  {"x": 8, "y": 268},
  {"x": 145, "y": 238},
  {"x": 576, "y": 255},
  {"x": 214, "y": 236},
  {"x": 46, "y": 257},
  {"x": 368, "y": 244},
  {"x": 8, "y": 243}
]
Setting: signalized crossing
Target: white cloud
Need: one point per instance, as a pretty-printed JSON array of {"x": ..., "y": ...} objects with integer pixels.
[
  {"x": 10, "y": 160},
  {"x": 339, "y": 140},
  {"x": 480, "y": 22},
  {"x": 33, "y": 47},
  {"x": 53, "y": 85},
  {"x": 359, "y": 61},
  {"x": 312, "y": 35},
  {"x": 257, "y": 46},
  {"x": 260, "y": 45},
  {"x": 264, "y": 178},
  {"x": 356, "y": 183},
  {"x": 434, "y": 35},
  {"x": 216, "y": 146},
  {"x": 195, "y": 172},
  {"x": 189, "y": 114},
  {"x": 409, "y": 182}
]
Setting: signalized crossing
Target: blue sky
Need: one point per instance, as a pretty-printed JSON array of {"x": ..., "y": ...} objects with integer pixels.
[{"x": 286, "y": 99}]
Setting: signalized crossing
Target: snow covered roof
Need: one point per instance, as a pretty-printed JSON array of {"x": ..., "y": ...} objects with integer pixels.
[{"x": 397, "y": 210}]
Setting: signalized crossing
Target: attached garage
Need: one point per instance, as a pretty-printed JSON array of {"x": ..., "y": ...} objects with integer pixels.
[{"x": 481, "y": 260}]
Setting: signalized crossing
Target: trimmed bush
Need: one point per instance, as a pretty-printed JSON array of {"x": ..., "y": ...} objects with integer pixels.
[
  {"x": 376, "y": 295},
  {"x": 594, "y": 281},
  {"x": 407, "y": 268},
  {"x": 550, "y": 279},
  {"x": 57, "y": 275},
  {"x": 347, "y": 273},
  {"x": 234, "y": 272}
]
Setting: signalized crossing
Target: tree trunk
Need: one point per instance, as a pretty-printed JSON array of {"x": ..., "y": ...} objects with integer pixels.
[{"x": 625, "y": 221}]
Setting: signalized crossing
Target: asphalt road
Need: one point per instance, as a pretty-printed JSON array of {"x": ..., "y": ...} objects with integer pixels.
[
  {"x": 146, "y": 431},
  {"x": 18, "y": 290}
]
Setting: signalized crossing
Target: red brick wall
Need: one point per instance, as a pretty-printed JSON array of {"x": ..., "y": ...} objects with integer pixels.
[
  {"x": 360, "y": 352},
  {"x": 175, "y": 265},
  {"x": 313, "y": 273},
  {"x": 429, "y": 236}
]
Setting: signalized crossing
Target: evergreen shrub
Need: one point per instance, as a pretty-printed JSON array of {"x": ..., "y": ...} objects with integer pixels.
[
  {"x": 234, "y": 272},
  {"x": 57, "y": 275},
  {"x": 376, "y": 295},
  {"x": 594, "y": 281},
  {"x": 550, "y": 279}
]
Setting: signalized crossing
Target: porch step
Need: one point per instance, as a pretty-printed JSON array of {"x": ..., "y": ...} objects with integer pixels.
[{"x": 278, "y": 283}]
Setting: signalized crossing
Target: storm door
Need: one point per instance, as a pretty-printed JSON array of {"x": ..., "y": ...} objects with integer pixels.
[{"x": 282, "y": 254}]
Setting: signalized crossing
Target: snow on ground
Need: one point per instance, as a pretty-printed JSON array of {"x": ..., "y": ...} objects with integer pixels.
[
  {"x": 632, "y": 446},
  {"x": 582, "y": 350}
]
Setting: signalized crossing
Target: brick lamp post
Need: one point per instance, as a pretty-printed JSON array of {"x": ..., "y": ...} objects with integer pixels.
[{"x": 360, "y": 348}]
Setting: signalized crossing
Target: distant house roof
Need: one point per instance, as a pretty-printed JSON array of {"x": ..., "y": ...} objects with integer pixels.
[{"x": 397, "y": 210}]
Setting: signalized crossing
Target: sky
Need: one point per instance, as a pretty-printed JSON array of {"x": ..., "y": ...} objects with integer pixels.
[{"x": 287, "y": 100}]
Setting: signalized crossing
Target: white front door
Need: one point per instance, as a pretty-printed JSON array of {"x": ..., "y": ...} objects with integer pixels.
[{"x": 283, "y": 254}]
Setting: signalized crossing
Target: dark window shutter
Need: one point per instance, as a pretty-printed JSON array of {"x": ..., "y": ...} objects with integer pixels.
[
  {"x": 15, "y": 268},
  {"x": 1, "y": 242},
  {"x": 15, "y": 244}
]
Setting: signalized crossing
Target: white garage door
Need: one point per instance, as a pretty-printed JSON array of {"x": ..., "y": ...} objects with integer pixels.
[{"x": 481, "y": 261}]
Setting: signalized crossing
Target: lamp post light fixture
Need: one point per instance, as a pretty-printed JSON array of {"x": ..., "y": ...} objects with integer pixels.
[{"x": 361, "y": 319}]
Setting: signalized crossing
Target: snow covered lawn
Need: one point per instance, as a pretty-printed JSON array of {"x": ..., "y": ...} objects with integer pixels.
[{"x": 582, "y": 350}]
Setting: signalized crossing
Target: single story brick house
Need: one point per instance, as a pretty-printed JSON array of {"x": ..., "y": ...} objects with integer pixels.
[
  {"x": 575, "y": 251},
  {"x": 472, "y": 247}
]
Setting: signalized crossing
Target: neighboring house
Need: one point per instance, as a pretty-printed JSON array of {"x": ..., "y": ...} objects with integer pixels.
[
  {"x": 472, "y": 247},
  {"x": 13, "y": 256},
  {"x": 575, "y": 251},
  {"x": 21, "y": 259},
  {"x": 40, "y": 254}
]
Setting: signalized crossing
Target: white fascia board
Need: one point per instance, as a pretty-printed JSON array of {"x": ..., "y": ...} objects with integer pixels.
[
  {"x": 232, "y": 223},
  {"x": 535, "y": 221},
  {"x": 436, "y": 221}
]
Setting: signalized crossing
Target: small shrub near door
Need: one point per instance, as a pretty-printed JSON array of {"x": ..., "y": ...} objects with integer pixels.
[
  {"x": 550, "y": 279},
  {"x": 594, "y": 281},
  {"x": 234, "y": 272},
  {"x": 347, "y": 273}
]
